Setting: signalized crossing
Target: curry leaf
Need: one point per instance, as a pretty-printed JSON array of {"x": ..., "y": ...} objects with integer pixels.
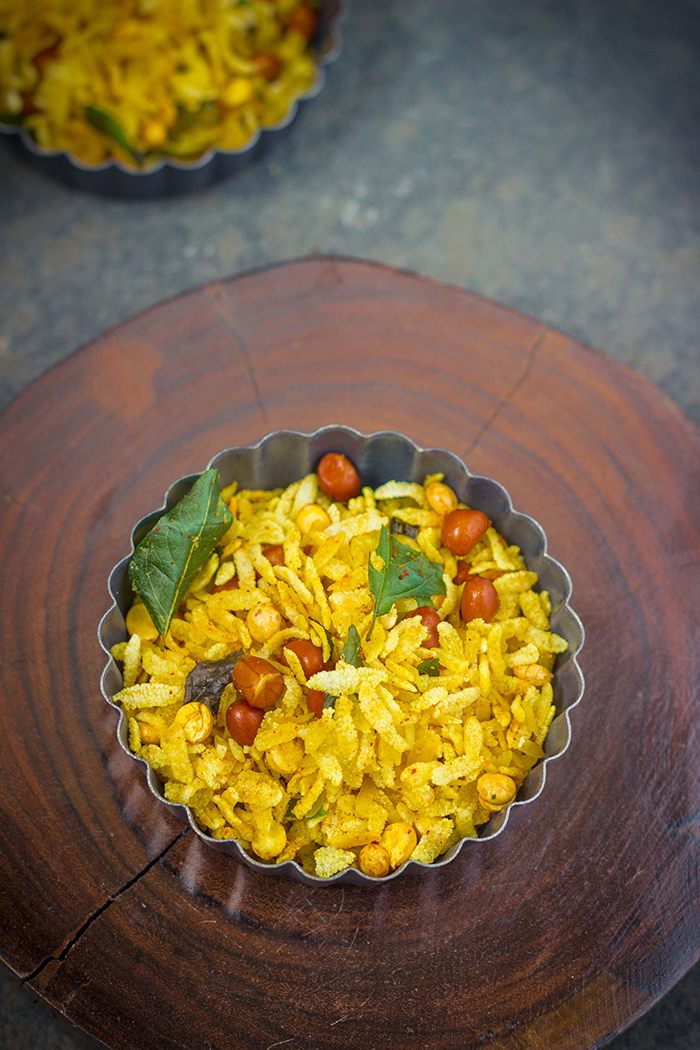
[
  {"x": 329, "y": 636},
  {"x": 350, "y": 652},
  {"x": 112, "y": 129},
  {"x": 319, "y": 812},
  {"x": 329, "y": 701},
  {"x": 168, "y": 558},
  {"x": 405, "y": 573},
  {"x": 208, "y": 679},
  {"x": 431, "y": 667}
]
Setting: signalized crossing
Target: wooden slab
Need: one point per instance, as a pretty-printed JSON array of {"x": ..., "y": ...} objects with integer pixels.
[{"x": 560, "y": 932}]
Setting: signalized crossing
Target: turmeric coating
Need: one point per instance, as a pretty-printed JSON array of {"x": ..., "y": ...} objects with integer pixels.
[{"x": 387, "y": 737}]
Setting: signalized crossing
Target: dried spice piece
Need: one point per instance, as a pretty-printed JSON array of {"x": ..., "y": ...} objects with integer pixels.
[
  {"x": 207, "y": 680},
  {"x": 402, "y": 528}
]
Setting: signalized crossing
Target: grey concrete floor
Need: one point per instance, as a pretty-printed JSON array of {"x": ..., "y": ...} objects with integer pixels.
[{"x": 544, "y": 153}]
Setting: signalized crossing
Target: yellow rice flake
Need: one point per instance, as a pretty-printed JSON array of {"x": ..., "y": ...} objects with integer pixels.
[
  {"x": 329, "y": 861},
  {"x": 532, "y": 608},
  {"x": 433, "y": 842},
  {"x": 426, "y": 519},
  {"x": 147, "y": 694},
  {"x": 175, "y": 748},
  {"x": 134, "y": 734},
  {"x": 132, "y": 660},
  {"x": 292, "y": 580},
  {"x": 515, "y": 582},
  {"x": 369, "y": 522},
  {"x": 258, "y": 789},
  {"x": 546, "y": 642},
  {"x": 186, "y": 794},
  {"x": 277, "y": 735},
  {"x": 305, "y": 493},
  {"x": 344, "y": 678},
  {"x": 401, "y": 490},
  {"x": 462, "y": 766}
]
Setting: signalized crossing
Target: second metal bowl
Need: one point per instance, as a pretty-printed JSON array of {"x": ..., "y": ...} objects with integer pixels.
[{"x": 171, "y": 177}]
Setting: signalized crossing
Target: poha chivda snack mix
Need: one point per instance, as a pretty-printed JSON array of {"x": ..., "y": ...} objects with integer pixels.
[
  {"x": 336, "y": 675},
  {"x": 138, "y": 80}
]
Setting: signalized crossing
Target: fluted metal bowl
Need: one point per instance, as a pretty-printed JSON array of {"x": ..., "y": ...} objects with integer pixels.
[
  {"x": 284, "y": 457},
  {"x": 169, "y": 177}
]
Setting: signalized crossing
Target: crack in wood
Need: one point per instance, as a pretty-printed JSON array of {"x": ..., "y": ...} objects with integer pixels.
[
  {"x": 61, "y": 956},
  {"x": 216, "y": 294},
  {"x": 519, "y": 382}
]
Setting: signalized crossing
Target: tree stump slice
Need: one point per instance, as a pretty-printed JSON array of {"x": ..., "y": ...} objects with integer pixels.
[{"x": 563, "y": 930}]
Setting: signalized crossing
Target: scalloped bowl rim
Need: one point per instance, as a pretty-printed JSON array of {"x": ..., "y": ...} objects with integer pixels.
[{"x": 291, "y": 868}]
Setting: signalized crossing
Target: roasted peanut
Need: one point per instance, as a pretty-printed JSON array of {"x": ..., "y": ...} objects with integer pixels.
[
  {"x": 148, "y": 733},
  {"x": 138, "y": 621},
  {"x": 310, "y": 656},
  {"x": 196, "y": 721},
  {"x": 315, "y": 700},
  {"x": 338, "y": 478},
  {"x": 270, "y": 843},
  {"x": 533, "y": 674},
  {"x": 495, "y": 790},
  {"x": 462, "y": 530},
  {"x": 312, "y": 518},
  {"x": 243, "y": 722},
  {"x": 263, "y": 621},
  {"x": 440, "y": 498},
  {"x": 274, "y": 554},
  {"x": 480, "y": 600},
  {"x": 399, "y": 840},
  {"x": 286, "y": 758},
  {"x": 463, "y": 573},
  {"x": 258, "y": 682},
  {"x": 303, "y": 19},
  {"x": 268, "y": 65},
  {"x": 374, "y": 860},
  {"x": 237, "y": 93}
]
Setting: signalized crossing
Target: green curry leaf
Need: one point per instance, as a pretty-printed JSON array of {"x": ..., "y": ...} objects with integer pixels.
[
  {"x": 350, "y": 652},
  {"x": 329, "y": 636},
  {"x": 430, "y": 667},
  {"x": 110, "y": 127},
  {"x": 168, "y": 558},
  {"x": 406, "y": 573}
]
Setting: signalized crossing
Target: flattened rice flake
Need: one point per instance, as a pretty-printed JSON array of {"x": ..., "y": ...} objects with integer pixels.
[{"x": 393, "y": 744}]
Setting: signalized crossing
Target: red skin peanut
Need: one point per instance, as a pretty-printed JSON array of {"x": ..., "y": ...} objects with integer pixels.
[
  {"x": 479, "y": 600},
  {"x": 462, "y": 530},
  {"x": 338, "y": 478}
]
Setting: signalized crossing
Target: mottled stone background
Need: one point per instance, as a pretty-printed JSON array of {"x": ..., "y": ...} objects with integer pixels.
[{"x": 545, "y": 153}]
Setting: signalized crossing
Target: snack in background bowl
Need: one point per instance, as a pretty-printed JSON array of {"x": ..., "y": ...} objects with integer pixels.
[
  {"x": 335, "y": 674},
  {"x": 142, "y": 82}
]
